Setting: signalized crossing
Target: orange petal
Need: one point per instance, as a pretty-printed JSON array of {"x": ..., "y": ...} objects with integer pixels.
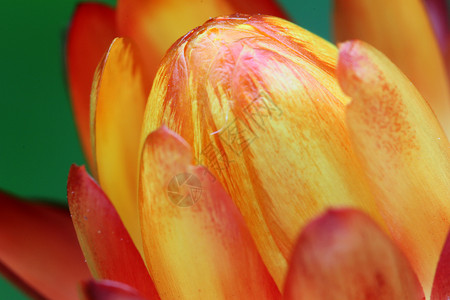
[
  {"x": 155, "y": 25},
  {"x": 196, "y": 244},
  {"x": 107, "y": 246},
  {"x": 38, "y": 246},
  {"x": 91, "y": 31},
  {"x": 441, "y": 284},
  {"x": 404, "y": 151},
  {"x": 257, "y": 99},
  {"x": 118, "y": 101},
  {"x": 401, "y": 30},
  {"x": 109, "y": 290},
  {"x": 344, "y": 255}
]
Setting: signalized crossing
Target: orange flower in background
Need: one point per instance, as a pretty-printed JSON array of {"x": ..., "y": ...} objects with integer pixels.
[{"x": 220, "y": 185}]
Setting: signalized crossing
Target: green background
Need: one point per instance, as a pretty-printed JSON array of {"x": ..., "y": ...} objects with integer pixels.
[{"x": 38, "y": 141}]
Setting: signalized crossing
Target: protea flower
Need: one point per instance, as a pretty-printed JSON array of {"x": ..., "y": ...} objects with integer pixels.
[
  {"x": 269, "y": 126},
  {"x": 149, "y": 25}
]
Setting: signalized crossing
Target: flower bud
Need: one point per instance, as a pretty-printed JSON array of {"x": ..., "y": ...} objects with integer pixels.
[{"x": 257, "y": 99}]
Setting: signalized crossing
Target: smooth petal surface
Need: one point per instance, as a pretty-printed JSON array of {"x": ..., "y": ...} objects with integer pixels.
[
  {"x": 39, "y": 248},
  {"x": 257, "y": 99},
  {"x": 107, "y": 246},
  {"x": 401, "y": 30},
  {"x": 90, "y": 34},
  {"x": 155, "y": 25},
  {"x": 196, "y": 243},
  {"x": 404, "y": 151},
  {"x": 441, "y": 284},
  {"x": 438, "y": 14},
  {"x": 109, "y": 290},
  {"x": 343, "y": 255},
  {"x": 118, "y": 100}
]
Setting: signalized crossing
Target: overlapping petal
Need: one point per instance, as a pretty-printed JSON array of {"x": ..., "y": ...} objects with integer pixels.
[
  {"x": 91, "y": 31},
  {"x": 39, "y": 249},
  {"x": 196, "y": 243},
  {"x": 118, "y": 101},
  {"x": 404, "y": 151},
  {"x": 344, "y": 255},
  {"x": 401, "y": 30},
  {"x": 258, "y": 100},
  {"x": 107, "y": 246}
]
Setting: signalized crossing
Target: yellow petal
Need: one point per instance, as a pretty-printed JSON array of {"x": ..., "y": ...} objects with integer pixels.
[
  {"x": 195, "y": 241},
  {"x": 257, "y": 99},
  {"x": 117, "y": 106},
  {"x": 344, "y": 255},
  {"x": 404, "y": 150},
  {"x": 400, "y": 29}
]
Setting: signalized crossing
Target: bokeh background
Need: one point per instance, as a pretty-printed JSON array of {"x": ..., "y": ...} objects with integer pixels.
[{"x": 38, "y": 140}]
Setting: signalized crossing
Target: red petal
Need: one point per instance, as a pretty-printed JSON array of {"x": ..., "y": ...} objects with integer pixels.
[
  {"x": 91, "y": 31},
  {"x": 39, "y": 248},
  {"x": 106, "y": 244},
  {"x": 344, "y": 255},
  {"x": 109, "y": 290},
  {"x": 441, "y": 284}
]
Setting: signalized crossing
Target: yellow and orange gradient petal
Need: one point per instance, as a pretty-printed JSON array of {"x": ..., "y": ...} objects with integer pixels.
[
  {"x": 257, "y": 99},
  {"x": 402, "y": 30},
  {"x": 404, "y": 152},
  {"x": 202, "y": 251},
  {"x": 118, "y": 100}
]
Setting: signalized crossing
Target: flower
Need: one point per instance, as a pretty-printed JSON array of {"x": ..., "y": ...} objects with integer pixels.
[
  {"x": 253, "y": 96},
  {"x": 261, "y": 101}
]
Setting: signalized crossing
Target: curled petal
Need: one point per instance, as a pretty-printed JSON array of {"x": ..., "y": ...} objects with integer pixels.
[
  {"x": 91, "y": 31},
  {"x": 109, "y": 290},
  {"x": 107, "y": 246},
  {"x": 196, "y": 243},
  {"x": 402, "y": 31},
  {"x": 257, "y": 99},
  {"x": 344, "y": 255},
  {"x": 39, "y": 249},
  {"x": 118, "y": 100},
  {"x": 404, "y": 152}
]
